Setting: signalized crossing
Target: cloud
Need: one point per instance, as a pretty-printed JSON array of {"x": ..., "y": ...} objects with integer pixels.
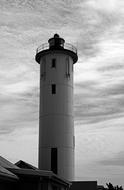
[
  {"x": 96, "y": 143},
  {"x": 95, "y": 100},
  {"x": 94, "y": 104},
  {"x": 97, "y": 27},
  {"x": 19, "y": 110},
  {"x": 117, "y": 160}
]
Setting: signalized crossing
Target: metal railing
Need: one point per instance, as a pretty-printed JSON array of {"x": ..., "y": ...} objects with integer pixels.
[
  {"x": 67, "y": 46},
  {"x": 42, "y": 47}
]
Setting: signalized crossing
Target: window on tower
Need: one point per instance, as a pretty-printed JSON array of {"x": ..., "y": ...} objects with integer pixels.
[
  {"x": 43, "y": 68},
  {"x": 54, "y": 161},
  {"x": 53, "y": 63},
  {"x": 53, "y": 89},
  {"x": 67, "y": 68}
]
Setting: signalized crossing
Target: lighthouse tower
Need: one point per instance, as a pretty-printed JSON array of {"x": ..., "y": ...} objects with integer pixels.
[{"x": 56, "y": 126}]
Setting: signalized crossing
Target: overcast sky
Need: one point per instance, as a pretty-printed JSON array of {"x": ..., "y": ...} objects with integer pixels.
[{"x": 96, "y": 27}]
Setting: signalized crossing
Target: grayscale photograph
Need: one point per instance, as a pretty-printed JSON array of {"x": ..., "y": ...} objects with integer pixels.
[{"x": 61, "y": 94}]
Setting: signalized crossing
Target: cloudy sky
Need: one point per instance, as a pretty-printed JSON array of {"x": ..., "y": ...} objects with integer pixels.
[{"x": 96, "y": 28}]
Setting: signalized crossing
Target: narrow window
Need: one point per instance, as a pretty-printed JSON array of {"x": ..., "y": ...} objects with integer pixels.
[
  {"x": 53, "y": 63},
  {"x": 53, "y": 89},
  {"x": 67, "y": 67},
  {"x": 43, "y": 68},
  {"x": 54, "y": 160}
]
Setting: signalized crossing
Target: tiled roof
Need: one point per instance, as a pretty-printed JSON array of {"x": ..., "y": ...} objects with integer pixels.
[
  {"x": 31, "y": 172},
  {"x": 5, "y": 173},
  {"x": 21, "y": 168},
  {"x": 6, "y": 164},
  {"x": 38, "y": 173}
]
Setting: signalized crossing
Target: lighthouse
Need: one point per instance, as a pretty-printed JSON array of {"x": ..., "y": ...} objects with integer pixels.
[{"x": 56, "y": 118}]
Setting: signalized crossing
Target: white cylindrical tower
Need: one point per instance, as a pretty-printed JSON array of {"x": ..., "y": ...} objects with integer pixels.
[{"x": 56, "y": 128}]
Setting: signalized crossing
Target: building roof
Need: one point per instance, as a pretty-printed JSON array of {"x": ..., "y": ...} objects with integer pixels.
[
  {"x": 39, "y": 174},
  {"x": 4, "y": 172},
  {"x": 31, "y": 172},
  {"x": 22, "y": 164},
  {"x": 88, "y": 185},
  {"x": 23, "y": 169},
  {"x": 7, "y": 174},
  {"x": 28, "y": 169},
  {"x": 6, "y": 164}
]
